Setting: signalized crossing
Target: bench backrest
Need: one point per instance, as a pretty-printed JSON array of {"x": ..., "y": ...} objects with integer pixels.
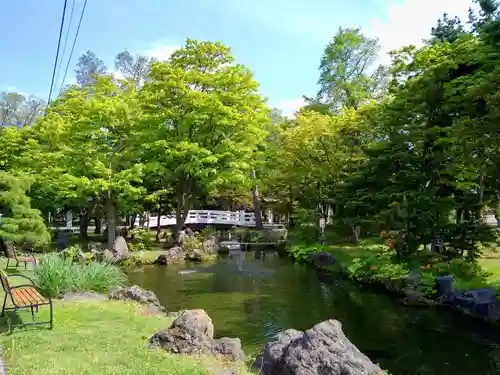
[{"x": 5, "y": 281}]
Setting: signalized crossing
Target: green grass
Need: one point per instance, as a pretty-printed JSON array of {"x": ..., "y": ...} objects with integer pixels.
[
  {"x": 105, "y": 337},
  {"x": 55, "y": 275}
]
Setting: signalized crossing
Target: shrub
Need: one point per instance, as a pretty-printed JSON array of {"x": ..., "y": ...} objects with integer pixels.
[
  {"x": 301, "y": 253},
  {"x": 144, "y": 236},
  {"x": 56, "y": 275},
  {"x": 136, "y": 246},
  {"x": 376, "y": 269},
  {"x": 191, "y": 243}
]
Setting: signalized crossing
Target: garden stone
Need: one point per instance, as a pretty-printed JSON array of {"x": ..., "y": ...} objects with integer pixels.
[
  {"x": 120, "y": 245},
  {"x": 194, "y": 256},
  {"x": 136, "y": 293},
  {"x": 229, "y": 348},
  {"x": 171, "y": 255},
  {"x": 193, "y": 333},
  {"x": 481, "y": 303},
  {"x": 444, "y": 287},
  {"x": 85, "y": 296},
  {"x": 323, "y": 349}
]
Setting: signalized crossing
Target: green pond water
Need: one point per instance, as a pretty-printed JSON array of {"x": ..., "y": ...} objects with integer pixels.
[{"x": 254, "y": 295}]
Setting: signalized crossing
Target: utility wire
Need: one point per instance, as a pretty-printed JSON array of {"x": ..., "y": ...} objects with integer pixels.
[
  {"x": 73, "y": 46},
  {"x": 65, "y": 42},
  {"x": 57, "y": 52}
]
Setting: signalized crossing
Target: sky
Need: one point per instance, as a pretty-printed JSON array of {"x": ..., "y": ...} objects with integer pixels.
[{"x": 281, "y": 41}]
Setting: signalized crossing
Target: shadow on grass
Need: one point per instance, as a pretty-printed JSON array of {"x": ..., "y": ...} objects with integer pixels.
[{"x": 17, "y": 322}]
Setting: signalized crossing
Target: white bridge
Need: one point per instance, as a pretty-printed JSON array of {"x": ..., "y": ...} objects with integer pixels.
[{"x": 240, "y": 219}]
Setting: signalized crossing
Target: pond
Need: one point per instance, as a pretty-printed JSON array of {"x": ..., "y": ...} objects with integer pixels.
[{"x": 254, "y": 295}]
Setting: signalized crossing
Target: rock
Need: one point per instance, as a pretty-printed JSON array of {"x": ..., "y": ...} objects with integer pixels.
[
  {"x": 229, "y": 348},
  {"x": 108, "y": 256},
  {"x": 444, "y": 287},
  {"x": 189, "y": 232},
  {"x": 195, "y": 256},
  {"x": 193, "y": 333},
  {"x": 416, "y": 300},
  {"x": 120, "y": 245},
  {"x": 86, "y": 296},
  {"x": 270, "y": 358},
  {"x": 323, "y": 349},
  {"x": 322, "y": 259},
  {"x": 211, "y": 244},
  {"x": 196, "y": 322},
  {"x": 136, "y": 293},
  {"x": 174, "y": 314},
  {"x": 169, "y": 256}
]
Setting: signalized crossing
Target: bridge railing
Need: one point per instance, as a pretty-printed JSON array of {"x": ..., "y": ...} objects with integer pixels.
[{"x": 239, "y": 218}]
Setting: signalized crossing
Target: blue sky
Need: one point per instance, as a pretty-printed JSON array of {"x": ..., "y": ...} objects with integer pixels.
[{"x": 280, "y": 40}]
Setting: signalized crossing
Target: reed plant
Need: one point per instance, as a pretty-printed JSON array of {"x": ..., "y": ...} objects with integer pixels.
[{"x": 56, "y": 275}]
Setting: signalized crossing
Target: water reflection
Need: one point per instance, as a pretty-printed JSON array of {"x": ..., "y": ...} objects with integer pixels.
[{"x": 254, "y": 295}]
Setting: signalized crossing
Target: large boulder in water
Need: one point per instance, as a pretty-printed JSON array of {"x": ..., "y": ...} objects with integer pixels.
[
  {"x": 323, "y": 349},
  {"x": 193, "y": 333}
]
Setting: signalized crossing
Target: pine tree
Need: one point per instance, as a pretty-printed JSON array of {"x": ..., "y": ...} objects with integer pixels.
[{"x": 19, "y": 223}]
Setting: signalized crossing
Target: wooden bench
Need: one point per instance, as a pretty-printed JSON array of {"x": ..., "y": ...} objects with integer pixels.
[
  {"x": 18, "y": 257},
  {"x": 25, "y": 296}
]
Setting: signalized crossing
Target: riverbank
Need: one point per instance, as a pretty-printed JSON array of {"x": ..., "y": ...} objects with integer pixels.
[
  {"x": 98, "y": 337},
  {"x": 370, "y": 262}
]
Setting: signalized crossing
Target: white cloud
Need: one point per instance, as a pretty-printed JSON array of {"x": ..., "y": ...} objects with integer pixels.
[
  {"x": 289, "y": 107},
  {"x": 160, "y": 51},
  {"x": 410, "y": 21}
]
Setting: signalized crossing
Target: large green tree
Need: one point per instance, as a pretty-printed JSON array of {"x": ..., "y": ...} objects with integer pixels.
[{"x": 204, "y": 119}]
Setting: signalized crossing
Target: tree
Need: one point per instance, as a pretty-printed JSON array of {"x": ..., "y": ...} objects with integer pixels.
[
  {"x": 88, "y": 147},
  {"x": 89, "y": 66},
  {"x": 19, "y": 111},
  {"x": 19, "y": 223},
  {"x": 347, "y": 77},
  {"x": 447, "y": 30},
  {"x": 205, "y": 118},
  {"x": 134, "y": 69}
]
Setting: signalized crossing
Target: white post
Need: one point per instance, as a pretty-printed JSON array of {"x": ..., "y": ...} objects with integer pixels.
[
  {"x": 270, "y": 216},
  {"x": 242, "y": 217},
  {"x": 69, "y": 219}
]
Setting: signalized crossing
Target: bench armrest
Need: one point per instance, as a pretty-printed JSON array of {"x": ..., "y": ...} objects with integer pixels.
[{"x": 24, "y": 277}]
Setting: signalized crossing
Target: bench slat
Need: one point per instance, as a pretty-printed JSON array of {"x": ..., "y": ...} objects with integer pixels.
[{"x": 27, "y": 296}]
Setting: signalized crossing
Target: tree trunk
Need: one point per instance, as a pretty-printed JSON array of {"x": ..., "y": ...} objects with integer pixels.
[
  {"x": 256, "y": 205},
  {"x": 98, "y": 225},
  {"x": 158, "y": 228},
  {"x": 84, "y": 224},
  {"x": 111, "y": 216},
  {"x": 181, "y": 212},
  {"x": 133, "y": 218},
  {"x": 356, "y": 230}
]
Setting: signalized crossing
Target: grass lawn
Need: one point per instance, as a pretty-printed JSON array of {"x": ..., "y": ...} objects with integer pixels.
[{"x": 95, "y": 337}]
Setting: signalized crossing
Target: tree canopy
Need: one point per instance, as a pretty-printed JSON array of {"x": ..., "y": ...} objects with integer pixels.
[{"x": 410, "y": 148}]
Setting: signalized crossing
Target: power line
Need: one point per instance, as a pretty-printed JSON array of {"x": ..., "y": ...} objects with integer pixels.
[
  {"x": 57, "y": 52},
  {"x": 65, "y": 41},
  {"x": 73, "y": 46}
]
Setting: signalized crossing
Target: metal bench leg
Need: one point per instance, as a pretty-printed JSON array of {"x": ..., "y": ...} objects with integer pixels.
[
  {"x": 4, "y": 303},
  {"x": 51, "y": 316}
]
